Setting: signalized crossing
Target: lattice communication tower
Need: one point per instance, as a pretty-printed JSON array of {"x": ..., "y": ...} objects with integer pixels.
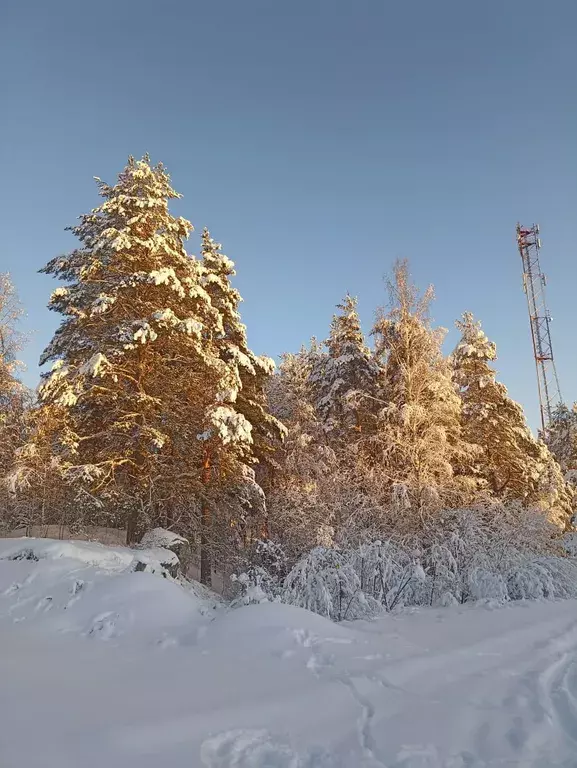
[{"x": 534, "y": 283}]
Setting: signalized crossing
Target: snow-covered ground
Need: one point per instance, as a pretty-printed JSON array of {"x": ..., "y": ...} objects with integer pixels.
[{"x": 104, "y": 666}]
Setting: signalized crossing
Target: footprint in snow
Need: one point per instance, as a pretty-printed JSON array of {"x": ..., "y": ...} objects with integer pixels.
[
  {"x": 259, "y": 749},
  {"x": 420, "y": 756},
  {"x": 247, "y": 749},
  {"x": 76, "y": 590},
  {"x": 104, "y": 626},
  {"x": 12, "y": 588},
  {"x": 43, "y": 605},
  {"x": 304, "y": 638},
  {"x": 319, "y": 663},
  {"x": 17, "y": 585}
]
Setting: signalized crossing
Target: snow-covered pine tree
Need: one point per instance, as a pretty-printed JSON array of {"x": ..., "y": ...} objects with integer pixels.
[
  {"x": 555, "y": 494},
  {"x": 290, "y": 392},
  {"x": 248, "y": 387},
  {"x": 345, "y": 379},
  {"x": 513, "y": 464},
  {"x": 561, "y": 436},
  {"x": 134, "y": 360},
  {"x": 254, "y": 371},
  {"x": 419, "y": 437}
]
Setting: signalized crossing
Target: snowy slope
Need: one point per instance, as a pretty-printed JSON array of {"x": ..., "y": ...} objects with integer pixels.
[{"x": 134, "y": 670}]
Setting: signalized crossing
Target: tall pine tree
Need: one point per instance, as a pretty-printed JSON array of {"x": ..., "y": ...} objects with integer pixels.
[
  {"x": 136, "y": 361},
  {"x": 253, "y": 370},
  {"x": 248, "y": 389}
]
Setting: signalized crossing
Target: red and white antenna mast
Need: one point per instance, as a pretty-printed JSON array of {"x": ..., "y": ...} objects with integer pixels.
[{"x": 534, "y": 282}]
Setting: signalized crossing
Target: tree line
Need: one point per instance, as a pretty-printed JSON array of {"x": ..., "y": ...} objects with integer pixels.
[{"x": 154, "y": 410}]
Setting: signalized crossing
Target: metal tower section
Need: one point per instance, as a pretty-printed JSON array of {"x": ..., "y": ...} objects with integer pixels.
[{"x": 534, "y": 282}]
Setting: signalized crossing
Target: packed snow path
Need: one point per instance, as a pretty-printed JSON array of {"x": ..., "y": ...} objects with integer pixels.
[{"x": 131, "y": 670}]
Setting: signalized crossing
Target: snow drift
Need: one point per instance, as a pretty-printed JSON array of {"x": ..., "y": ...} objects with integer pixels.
[
  {"x": 104, "y": 665},
  {"x": 91, "y": 589}
]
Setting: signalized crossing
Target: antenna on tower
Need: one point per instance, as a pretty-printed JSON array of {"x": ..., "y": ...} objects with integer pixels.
[{"x": 534, "y": 283}]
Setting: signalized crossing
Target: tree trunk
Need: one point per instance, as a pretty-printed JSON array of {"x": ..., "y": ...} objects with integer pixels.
[
  {"x": 205, "y": 524},
  {"x": 132, "y": 527}
]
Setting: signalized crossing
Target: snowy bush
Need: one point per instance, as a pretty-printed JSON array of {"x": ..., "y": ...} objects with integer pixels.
[
  {"x": 255, "y": 586},
  {"x": 271, "y": 557},
  {"x": 496, "y": 553},
  {"x": 483, "y": 584},
  {"x": 325, "y": 581},
  {"x": 469, "y": 554},
  {"x": 543, "y": 578},
  {"x": 466, "y": 556},
  {"x": 388, "y": 573},
  {"x": 491, "y": 553},
  {"x": 262, "y": 577},
  {"x": 569, "y": 543},
  {"x": 459, "y": 567},
  {"x": 161, "y": 537}
]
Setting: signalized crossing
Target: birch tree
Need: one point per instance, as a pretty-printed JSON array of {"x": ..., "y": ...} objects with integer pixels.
[
  {"x": 14, "y": 398},
  {"x": 419, "y": 437}
]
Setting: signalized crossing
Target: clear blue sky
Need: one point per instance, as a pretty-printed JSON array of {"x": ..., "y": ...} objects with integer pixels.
[{"x": 319, "y": 140}]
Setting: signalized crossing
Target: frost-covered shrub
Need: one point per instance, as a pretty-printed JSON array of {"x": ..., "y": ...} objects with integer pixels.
[
  {"x": 254, "y": 586},
  {"x": 270, "y": 556},
  {"x": 494, "y": 553},
  {"x": 543, "y": 578},
  {"x": 483, "y": 584},
  {"x": 497, "y": 552},
  {"x": 467, "y": 554},
  {"x": 388, "y": 574},
  {"x": 261, "y": 578},
  {"x": 458, "y": 567},
  {"x": 325, "y": 581},
  {"x": 569, "y": 543}
]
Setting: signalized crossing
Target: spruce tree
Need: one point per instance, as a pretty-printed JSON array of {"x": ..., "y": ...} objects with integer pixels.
[
  {"x": 510, "y": 454},
  {"x": 345, "y": 379},
  {"x": 511, "y": 462}
]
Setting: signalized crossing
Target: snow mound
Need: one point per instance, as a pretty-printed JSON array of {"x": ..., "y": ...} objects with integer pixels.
[
  {"x": 89, "y": 553},
  {"x": 154, "y": 559},
  {"x": 161, "y": 537},
  {"x": 97, "y": 591}
]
